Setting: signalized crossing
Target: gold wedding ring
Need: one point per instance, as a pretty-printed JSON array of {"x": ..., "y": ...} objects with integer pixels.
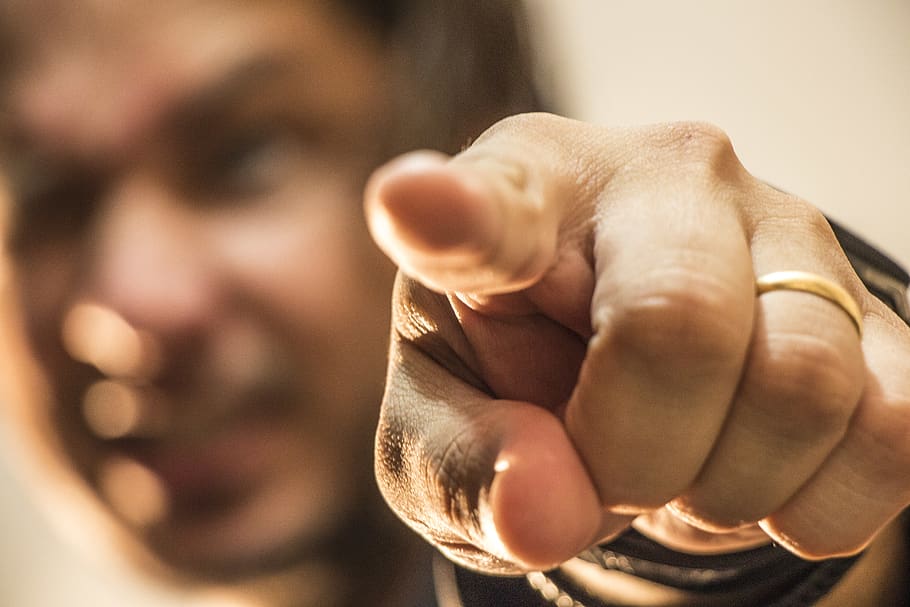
[{"x": 815, "y": 284}]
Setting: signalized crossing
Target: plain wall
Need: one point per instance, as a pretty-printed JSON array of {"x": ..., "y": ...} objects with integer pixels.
[{"x": 815, "y": 94}]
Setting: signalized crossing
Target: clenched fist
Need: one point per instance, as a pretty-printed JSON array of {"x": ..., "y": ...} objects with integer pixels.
[{"x": 578, "y": 346}]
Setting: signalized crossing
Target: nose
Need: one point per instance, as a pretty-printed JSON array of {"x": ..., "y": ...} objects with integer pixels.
[{"x": 149, "y": 262}]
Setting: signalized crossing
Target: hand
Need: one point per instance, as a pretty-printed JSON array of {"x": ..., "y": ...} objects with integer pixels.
[{"x": 577, "y": 345}]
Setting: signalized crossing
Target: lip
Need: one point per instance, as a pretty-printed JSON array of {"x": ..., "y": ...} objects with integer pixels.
[
  {"x": 231, "y": 459},
  {"x": 194, "y": 445}
]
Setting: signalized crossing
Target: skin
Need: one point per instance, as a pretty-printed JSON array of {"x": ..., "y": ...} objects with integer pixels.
[
  {"x": 200, "y": 185},
  {"x": 561, "y": 245},
  {"x": 589, "y": 324}
]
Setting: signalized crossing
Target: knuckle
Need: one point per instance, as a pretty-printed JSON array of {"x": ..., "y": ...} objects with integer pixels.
[
  {"x": 817, "y": 533},
  {"x": 470, "y": 556},
  {"x": 798, "y": 218},
  {"x": 436, "y": 490},
  {"x": 680, "y": 317},
  {"x": 519, "y": 125},
  {"x": 396, "y": 452},
  {"x": 885, "y": 428},
  {"x": 457, "y": 475},
  {"x": 708, "y": 515},
  {"x": 806, "y": 381},
  {"x": 699, "y": 148},
  {"x": 391, "y": 457},
  {"x": 813, "y": 220},
  {"x": 813, "y": 546},
  {"x": 896, "y": 440},
  {"x": 437, "y": 494},
  {"x": 635, "y": 492},
  {"x": 700, "y": 135}
]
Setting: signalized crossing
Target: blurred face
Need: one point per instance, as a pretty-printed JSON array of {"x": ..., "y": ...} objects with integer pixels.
[{"x": 196, "y": 283}]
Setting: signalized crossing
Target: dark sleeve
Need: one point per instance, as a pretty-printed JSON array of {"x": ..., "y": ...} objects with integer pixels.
[
  {"x": 478, "y": 590},
  {"x": 882, "y": 275}
]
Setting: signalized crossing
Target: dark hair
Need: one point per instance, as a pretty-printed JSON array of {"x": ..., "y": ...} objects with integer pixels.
[
  {"x": 384, "y": 14},
  {"x": 467, "y": 63}
]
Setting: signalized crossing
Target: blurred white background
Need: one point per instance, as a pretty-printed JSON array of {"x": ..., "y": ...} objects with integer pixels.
[{"x": 814, "y": 94}]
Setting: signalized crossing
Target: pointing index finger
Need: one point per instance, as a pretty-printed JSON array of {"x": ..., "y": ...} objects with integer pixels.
[{"x": 484, "y": 222}]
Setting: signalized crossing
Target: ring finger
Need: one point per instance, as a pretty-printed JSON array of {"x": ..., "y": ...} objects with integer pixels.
[{"x": 801, "y": 383}]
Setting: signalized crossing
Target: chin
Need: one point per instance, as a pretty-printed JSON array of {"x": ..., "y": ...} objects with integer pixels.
[
  {"x": 198, "y": 564},
  {"x": 285, "y": 524}
]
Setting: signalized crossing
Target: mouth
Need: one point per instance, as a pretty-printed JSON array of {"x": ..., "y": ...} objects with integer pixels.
[
  {"x": 225, "y": 453},
  {"x": 196, "y": 468},
  {"x": 230, "y": 456}
]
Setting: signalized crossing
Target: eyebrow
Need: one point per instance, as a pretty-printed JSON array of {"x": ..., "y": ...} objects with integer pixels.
[
  {"x": 209, "y": 103},
  {"x": 214, "y": 101}
]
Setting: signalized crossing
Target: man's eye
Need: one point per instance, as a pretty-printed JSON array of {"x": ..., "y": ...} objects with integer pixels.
[
  {"x": 57, "y": 207},
  {"x": 252, "y": 166},
  {"x": 45, "y": 191}
]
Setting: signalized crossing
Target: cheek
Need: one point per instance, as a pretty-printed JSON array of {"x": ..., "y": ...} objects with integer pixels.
[
  {"x": 43, "y": 285},
  {"x": 316, "y": 273},
  {"x": 305, "y": 266},
  {"x": 314, "y": 267},
  {"x": 41, "y": 384},
  {"x": 43, "y": 281}
]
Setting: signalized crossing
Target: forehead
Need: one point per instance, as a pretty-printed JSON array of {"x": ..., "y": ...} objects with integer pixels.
[{"x": 102, "y": 75}]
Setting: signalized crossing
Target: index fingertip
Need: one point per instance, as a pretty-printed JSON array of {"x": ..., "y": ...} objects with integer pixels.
[{"x": 418, "y": 206}]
